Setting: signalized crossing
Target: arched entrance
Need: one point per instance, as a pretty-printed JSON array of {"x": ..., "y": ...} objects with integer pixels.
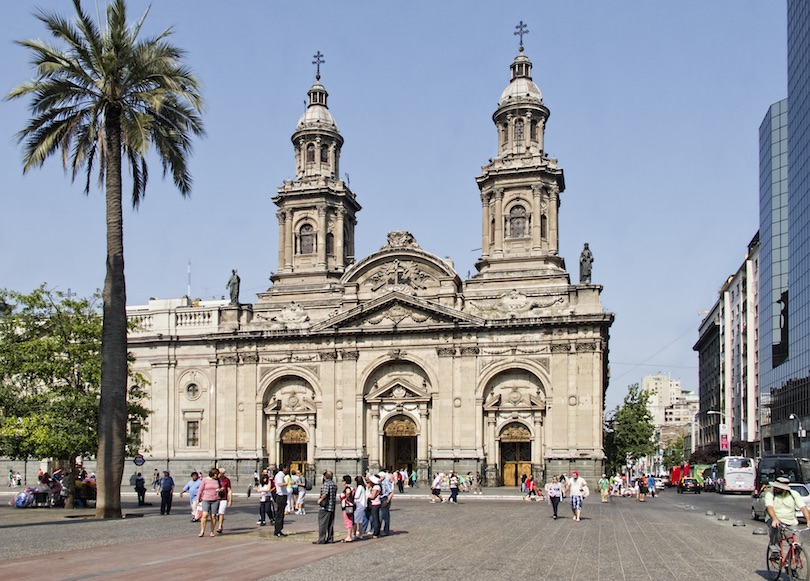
[
  {"x": 294, "y": 448},
  {"x": 516, "y": 453},
  {"x": 399, "y": 443}
]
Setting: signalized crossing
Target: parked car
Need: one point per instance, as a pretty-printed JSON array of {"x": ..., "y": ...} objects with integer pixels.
[
  {"x": 660, "y": 484},
  {"x": 689, "y": 485},
  {"x": 758, "y": 501}
]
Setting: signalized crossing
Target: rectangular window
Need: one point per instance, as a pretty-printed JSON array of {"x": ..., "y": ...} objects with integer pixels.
[{"x": 193, "y": 433}]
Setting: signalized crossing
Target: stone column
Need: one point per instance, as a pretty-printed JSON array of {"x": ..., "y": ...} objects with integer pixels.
[
  {"x": 261, "y": 436},
  {"x": 554, "y": 208},
  {"x": 288, "y": 241},
  {"x": 322, "y": 236},
  {"x": 281, "y": 239},
  {"x": 374, "y": 438},
  {"x": 499, "y": 222},
  {"x": 485, "y": 214},
  {"x": 340, "y": 252},
  {"x": 272, "y": 443},
  {"x": 422, "y": 440},
  {"x": 537, "y": 212},
  {"x": 311, "y": 444},
  {"x": 541, "y": 133}
]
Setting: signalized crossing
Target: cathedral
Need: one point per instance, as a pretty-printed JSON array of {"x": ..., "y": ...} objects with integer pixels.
[{"x": 391, "y": 360}]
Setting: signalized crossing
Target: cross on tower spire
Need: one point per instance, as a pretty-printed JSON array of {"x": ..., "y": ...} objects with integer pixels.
[
  {"x": 521, "y": 30},
  {"x": 319, "y": 61}
]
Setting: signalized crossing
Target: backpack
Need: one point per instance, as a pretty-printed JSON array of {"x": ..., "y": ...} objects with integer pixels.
[{"x": 306, "y": 482}]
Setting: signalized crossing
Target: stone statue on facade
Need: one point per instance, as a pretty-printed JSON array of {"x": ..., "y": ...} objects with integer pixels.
[
  {"x": 233, "y": 287},
  {"x": 585, "y": 265}
]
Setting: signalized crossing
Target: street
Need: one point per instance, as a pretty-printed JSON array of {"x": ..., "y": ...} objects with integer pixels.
[{"x": 494, "y": 536}]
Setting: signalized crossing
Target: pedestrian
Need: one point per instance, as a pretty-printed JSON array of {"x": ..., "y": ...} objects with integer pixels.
[
  {"x": 523, "y": 479},
  {"x": 400, "y": 482},
  {"x": 386, "y": 496},
  {"x": 281, "y": 499},
  {"x": 256, "y": 478},
  {"x": 225, "y": 499},
  {"x": 477, "y": 489},
  {"x": 554, "y": 493},
  {"x": 376, "y": 502},
  {"x": 641, "y": 486},
  {"x": 155, "y": 479},
  {"x": 360, "y": 504},
  {"x": 166, "y": 493},
  {"x": 453, "y": 487},
  {"x": 208, "y": 496},
  {"x": 292, "y": 491},
  {"x": 436, "y": 487},
  {"x": 347, "y": 506},
  {"x": 192, "y": 487},
  {"x": 414, "y": 483},
  {"x": 140, "y": 489},
  {"x": 604, "y": 487},
  {"x": 651, "y": 485},
  {"x": 302, "y": 492},
  {"x": 265, "y": 499},
  {"x": 10, "y": 478},
  {"x": 326, "y": 514},
  {"x": 577, "y": 489},
  {"x": 531, "y": 489}
]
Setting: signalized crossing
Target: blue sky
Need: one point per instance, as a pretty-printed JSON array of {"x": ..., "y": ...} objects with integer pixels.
[{"x": 655, "y": 109}]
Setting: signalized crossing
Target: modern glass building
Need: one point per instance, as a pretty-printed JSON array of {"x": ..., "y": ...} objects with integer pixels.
[{"x": 785, "y": 246}]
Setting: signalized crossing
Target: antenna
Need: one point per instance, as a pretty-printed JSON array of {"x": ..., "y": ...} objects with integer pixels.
[{"x": 188, "y": 290}]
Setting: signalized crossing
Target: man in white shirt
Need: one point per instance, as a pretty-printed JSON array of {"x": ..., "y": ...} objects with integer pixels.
[
  {"x": 281, "y": 499},
  {"x": 575, "y": 488},
  {"x": 436, "y": 487}
]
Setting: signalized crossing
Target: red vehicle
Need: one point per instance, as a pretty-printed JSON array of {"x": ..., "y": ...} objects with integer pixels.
[{"x": 675, "y": 475}]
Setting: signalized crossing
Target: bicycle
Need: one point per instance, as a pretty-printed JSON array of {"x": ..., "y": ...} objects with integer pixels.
[{"x": 792, "y": 556}]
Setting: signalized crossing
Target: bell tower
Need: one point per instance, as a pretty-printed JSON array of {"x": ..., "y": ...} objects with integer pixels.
[
  {"x": 520, "y": 188},
  {"x": 316, "y": 211}
]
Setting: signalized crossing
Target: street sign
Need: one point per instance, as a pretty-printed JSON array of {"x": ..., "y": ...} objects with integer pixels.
[{"x": 138, "y": 460}]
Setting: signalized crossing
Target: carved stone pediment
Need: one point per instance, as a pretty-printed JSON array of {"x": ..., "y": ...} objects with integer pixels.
[
  {"x": 405, "y": 276},
  {"x": 514, "y": 398},
  {"x": 291, "y": 317},
  {"x": 397, "y": 309},
  {"x": 398, "y": 390},
  {"x": 292, "y": 399}
]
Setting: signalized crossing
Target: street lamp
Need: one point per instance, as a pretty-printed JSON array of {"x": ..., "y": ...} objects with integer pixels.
[
  {"x": 723, "y": 419},
  {"x": 801, "y": 431}
]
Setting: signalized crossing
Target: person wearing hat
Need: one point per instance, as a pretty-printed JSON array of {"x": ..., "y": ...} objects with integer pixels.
[
  {"x": 781, "y": 504},
  {"x": 604, "y": 487},
  {"x": 375, "y": 496},
  {"x": 575, "y": 488}
]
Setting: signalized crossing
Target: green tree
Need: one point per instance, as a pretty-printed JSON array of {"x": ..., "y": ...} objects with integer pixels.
[
  {"x": 50, "y": 372},
  {"x": 673, "y": 454},
  {"x": 632, "y": 425},
  {"x": 101, "y": 96}
]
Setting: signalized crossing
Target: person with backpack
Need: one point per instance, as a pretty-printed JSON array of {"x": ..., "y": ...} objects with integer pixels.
[
  {"x": 301, "y": 492},
  {"x": 347, "y": 504}
]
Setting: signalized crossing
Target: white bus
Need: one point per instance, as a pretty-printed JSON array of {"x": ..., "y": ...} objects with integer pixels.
[{"x": 736, "y": 474}]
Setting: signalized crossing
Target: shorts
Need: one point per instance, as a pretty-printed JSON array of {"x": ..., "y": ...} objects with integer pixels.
[
  {"x": 576, "y": 502},
  {"x": 210, "y": 506},
  {"x": 223, "y": 504},
  {"x": 302, "y": 492},
  {"x": 436, "y": 492}
]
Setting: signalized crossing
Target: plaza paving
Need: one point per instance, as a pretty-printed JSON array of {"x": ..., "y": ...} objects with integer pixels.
[{"x": 494, "y": 536}]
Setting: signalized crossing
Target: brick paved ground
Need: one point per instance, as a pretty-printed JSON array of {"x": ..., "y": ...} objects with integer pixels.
[{"x": 491, "y": 537}]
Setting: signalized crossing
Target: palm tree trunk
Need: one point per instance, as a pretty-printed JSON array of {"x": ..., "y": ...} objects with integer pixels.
[{"x": 112, "y": 412}]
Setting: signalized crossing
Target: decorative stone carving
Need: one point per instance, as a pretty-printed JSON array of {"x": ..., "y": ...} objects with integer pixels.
[
  {"x": 445, "y": 351},
  {"x": 294, "y": 435},
  {"x": 405, "y": 277},
  {"x": 586, "y": 346},
  {"x": 400, "y": 239},
  {"x": 396, "y": 314},
  {"x": 328, "y": 355},
  {"x": 292, "y": 398},
  {"x": 228, "y": 359},
  {"x": 349, "y": 354},
  {"x": 250, "y": 358},
  {"x": 469, "y": 351},
  {"x": 516, "y": 433},
  {"x": 514, "y": 305},
  {"x": 563, "y": 348},
  {"x": 401, "y": 426}
]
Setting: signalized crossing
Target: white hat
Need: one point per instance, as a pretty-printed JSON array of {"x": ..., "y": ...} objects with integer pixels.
[
  {"x": 782, "y": 483},
  {"x": 382, "y": 474},
  {"x": 373, "y": 479}
]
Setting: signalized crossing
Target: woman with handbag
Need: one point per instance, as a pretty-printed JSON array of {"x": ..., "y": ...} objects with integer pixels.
[{"x": 347, "y": 504}]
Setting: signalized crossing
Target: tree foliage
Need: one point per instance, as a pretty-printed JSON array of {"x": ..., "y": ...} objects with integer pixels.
[
  {"x": 102, "y": 95},
  {"x": 50, "y": 376},
  {"x": 673, "y": 454},
  {"x": 632, "y": 425}
]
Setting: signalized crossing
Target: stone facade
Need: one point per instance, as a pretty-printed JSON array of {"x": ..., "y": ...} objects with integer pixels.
[{"x": 391, "y": 360}]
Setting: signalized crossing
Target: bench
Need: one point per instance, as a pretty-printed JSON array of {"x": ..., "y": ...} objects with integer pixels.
[
  {"x": 42, "y": 499},
  {"x": 85, "y": 495}
]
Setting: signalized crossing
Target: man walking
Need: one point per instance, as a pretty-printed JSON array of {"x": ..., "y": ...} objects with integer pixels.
[
  {"x": 575, "y": 488},
  {"x": 225, "y": 498},
  {"x": 281, "y": 499},
  {"x": 166, "y": 493},
  {"x": 604, "y": 487},
  {"x": 326, "y": 514},
  {"x": 386, "y": 495}
]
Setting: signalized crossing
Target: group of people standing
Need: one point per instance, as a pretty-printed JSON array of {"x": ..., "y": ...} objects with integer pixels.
[
  {"x": 560, "y": 487},
  {"x": 365, "y": 502},
  {"x": 209, "y": 498}
]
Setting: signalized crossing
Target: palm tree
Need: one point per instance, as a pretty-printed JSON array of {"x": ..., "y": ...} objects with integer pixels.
[{"x": 101, "y": 96}]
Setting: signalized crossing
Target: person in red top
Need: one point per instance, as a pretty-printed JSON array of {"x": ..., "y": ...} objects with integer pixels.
[{"x": 225, "y": 497}]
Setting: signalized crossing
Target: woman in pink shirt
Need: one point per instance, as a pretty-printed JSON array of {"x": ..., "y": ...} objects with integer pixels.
[{"x": 208, "y": 497}]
